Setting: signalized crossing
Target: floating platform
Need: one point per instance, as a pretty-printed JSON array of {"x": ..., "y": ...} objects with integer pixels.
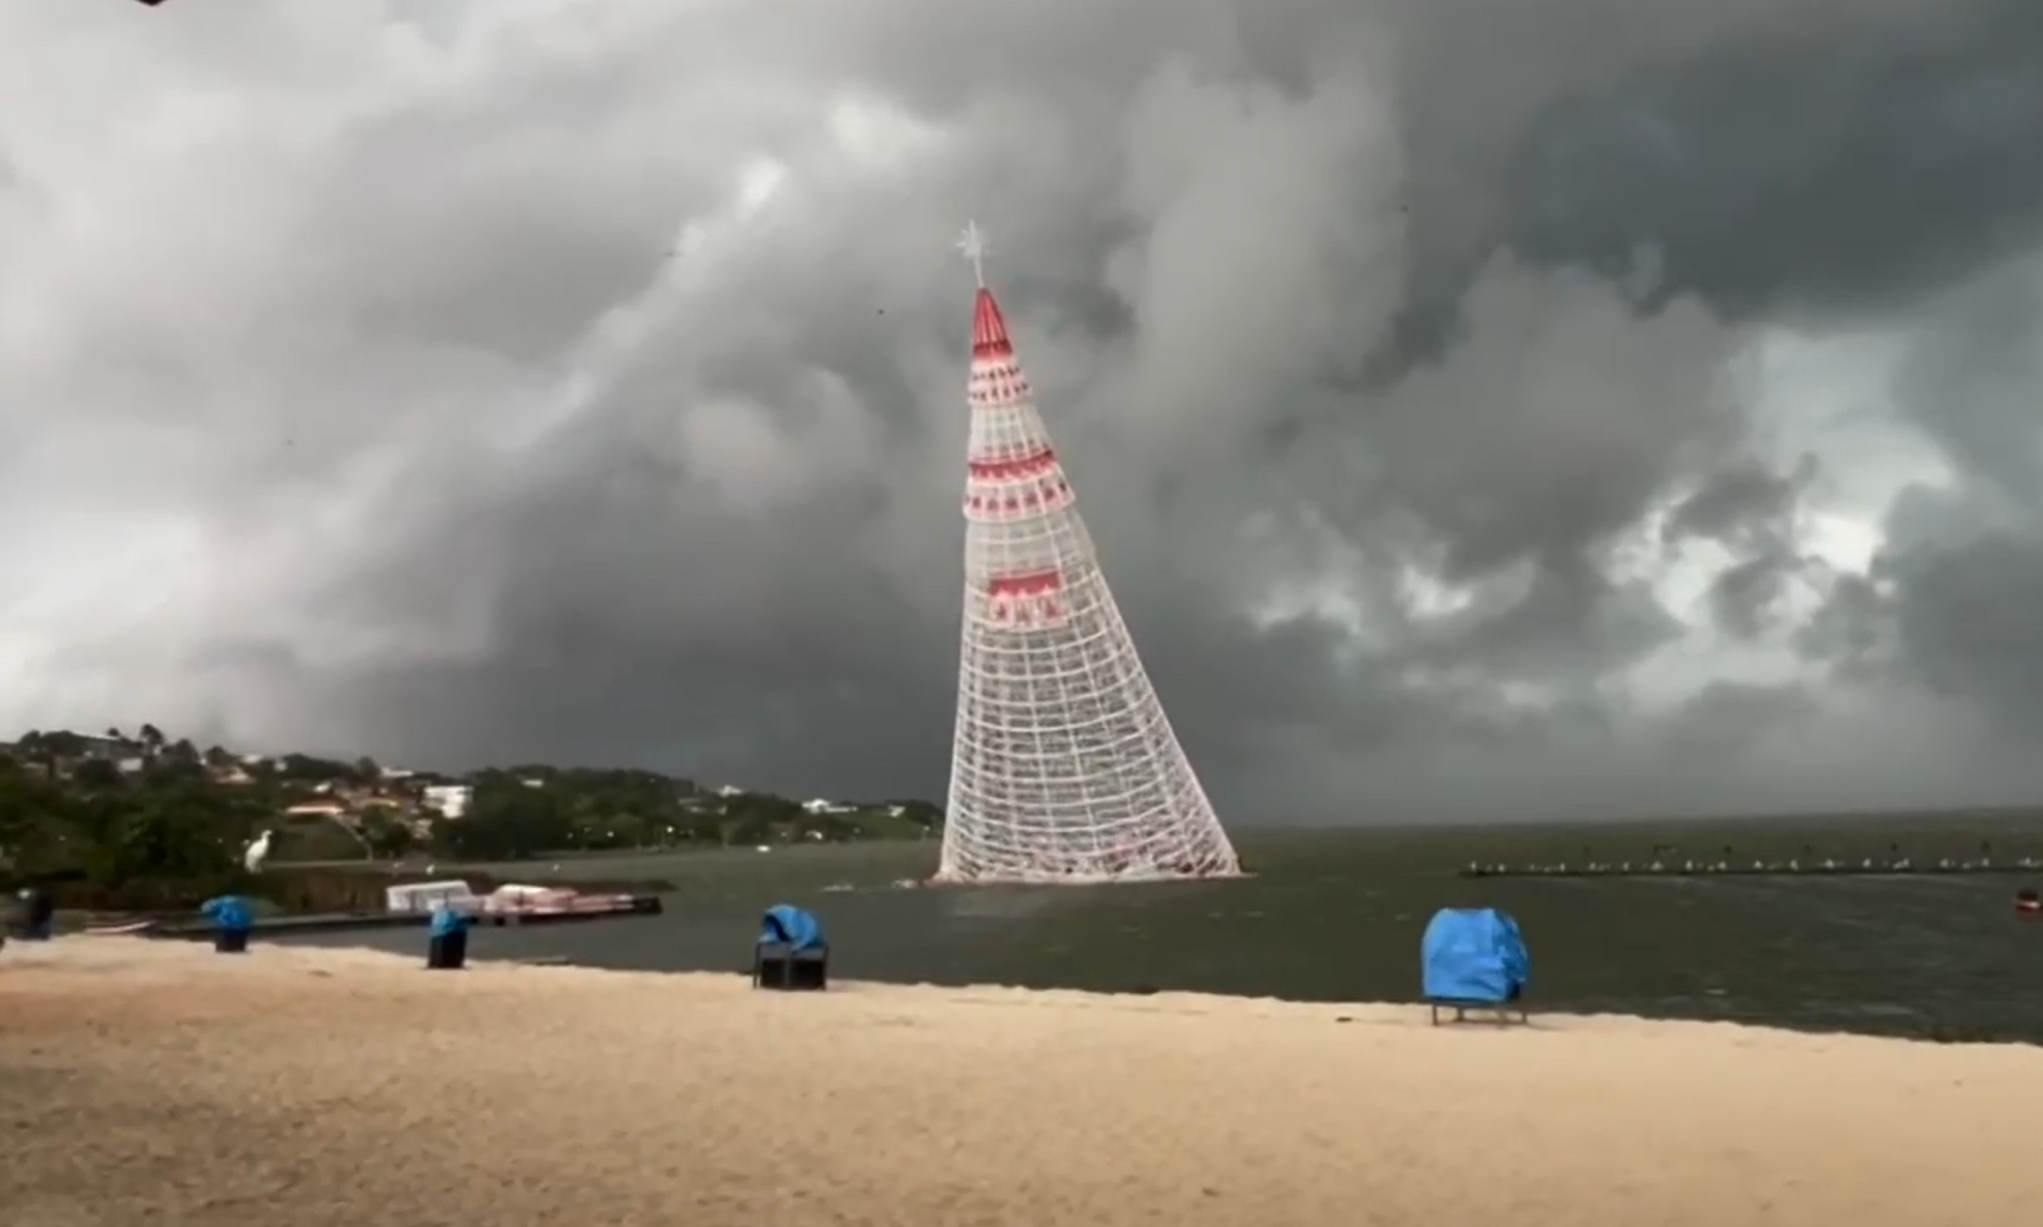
[
  {"x": 606, "y": 908},
  {"x": 1869, "y": 868}
]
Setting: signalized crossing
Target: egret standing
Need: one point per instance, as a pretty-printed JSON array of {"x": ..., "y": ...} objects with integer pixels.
[{"x": 257, "y": 853}]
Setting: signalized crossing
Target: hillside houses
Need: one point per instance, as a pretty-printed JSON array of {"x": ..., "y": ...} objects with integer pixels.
[{"x": 342, "y": 808}]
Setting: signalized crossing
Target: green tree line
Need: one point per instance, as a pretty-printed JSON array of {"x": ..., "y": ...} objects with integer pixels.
[
  {"x": 159, "y": 831},
  {"x": 172, "y": 828},
  {"x": 594, "y": 810}
]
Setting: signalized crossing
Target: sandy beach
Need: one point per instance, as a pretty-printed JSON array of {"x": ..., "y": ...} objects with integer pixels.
[{"x": 158, "y": 1082}]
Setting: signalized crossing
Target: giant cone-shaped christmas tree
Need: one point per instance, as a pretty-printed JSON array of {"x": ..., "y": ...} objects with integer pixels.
[{"x": 1064, "y": 767}]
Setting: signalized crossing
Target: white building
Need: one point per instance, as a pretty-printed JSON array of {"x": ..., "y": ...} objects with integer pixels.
[{"x": 452, "y": 800}]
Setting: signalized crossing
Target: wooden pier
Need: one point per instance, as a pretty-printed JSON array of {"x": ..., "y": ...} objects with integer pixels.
[{"x": 1829, "y": 867}]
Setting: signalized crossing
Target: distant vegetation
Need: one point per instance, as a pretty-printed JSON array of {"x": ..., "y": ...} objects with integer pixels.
[
  {"x": 525, "y": 811},
  {"x": 142, "y": 817}
]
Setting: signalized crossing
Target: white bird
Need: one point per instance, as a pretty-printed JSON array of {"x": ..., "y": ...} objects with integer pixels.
[{"x": 257, "y": 853}]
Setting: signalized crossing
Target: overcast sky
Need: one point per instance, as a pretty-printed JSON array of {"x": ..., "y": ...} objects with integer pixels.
[{"x": 1483, "y": 407}]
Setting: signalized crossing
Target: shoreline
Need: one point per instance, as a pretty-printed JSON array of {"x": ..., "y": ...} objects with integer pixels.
[
  {"x": 83, "y": 954},
  {"x": 333, "y": 958},
  {"x": 338, "y": 1083},
  {"x": 1931, "y": 1035}
]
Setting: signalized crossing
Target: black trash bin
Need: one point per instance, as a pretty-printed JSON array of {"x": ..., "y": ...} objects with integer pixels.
[
  {"x": 38, "y": 914},
  {"x": 780, "y": 966},
  {"x": 230, "y": 941},
  {"x": 447, "y": 951}
]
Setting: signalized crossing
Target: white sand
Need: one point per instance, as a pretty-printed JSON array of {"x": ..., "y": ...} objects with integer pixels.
[{"x": 158, "y": 1082}]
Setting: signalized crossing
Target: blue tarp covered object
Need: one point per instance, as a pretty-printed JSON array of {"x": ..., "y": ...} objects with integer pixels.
[
  {"x": 1473, "y": 954},
  {"x": 792, "y": 927},
  {"x": 231, "y": 913},
  {"x": 447, "y": 921}
]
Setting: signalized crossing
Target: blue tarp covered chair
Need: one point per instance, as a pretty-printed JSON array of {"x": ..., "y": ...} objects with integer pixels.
[
  {"x": 790, "y": 954},
  {"x": 1474, "y": 959},
  {"x": 447, "y": 938},
  {"x": 233, "y": 918}
]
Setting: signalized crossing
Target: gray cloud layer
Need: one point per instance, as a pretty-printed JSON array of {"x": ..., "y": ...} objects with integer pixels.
[{"x": 462, "y": 381}]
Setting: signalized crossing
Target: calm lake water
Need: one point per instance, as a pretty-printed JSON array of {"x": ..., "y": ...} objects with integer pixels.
[{"x": 1337, "y": 916}]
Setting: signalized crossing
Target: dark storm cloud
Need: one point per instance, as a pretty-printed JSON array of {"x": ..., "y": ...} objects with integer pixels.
[
  {"x": 1748, "y": 509},
  {"x": 1727, "y": 718},
  {"x": 1952, "y": 604},
  {"x": 1745, "y": 596},
  {"x": 590, "y": 387},
  {"x": 1966, "y": 620},
  {"x": 1740, "y": 502},
  {"x": 1767, "y": 169}
]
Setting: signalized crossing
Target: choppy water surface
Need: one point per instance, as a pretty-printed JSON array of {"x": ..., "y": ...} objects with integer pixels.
[{"x": 1337, "y": 916}]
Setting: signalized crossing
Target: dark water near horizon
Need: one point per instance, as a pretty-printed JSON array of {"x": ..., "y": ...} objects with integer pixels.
[{"x": 1336, "y": 916}]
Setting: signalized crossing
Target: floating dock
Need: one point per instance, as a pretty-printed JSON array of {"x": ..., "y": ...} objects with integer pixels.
[
  {"x": 609, "y": 908},
  {"x": 1871, "y": 867}
]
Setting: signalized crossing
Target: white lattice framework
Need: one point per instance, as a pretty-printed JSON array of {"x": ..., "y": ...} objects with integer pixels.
[{"x": 1064, "y": 767}]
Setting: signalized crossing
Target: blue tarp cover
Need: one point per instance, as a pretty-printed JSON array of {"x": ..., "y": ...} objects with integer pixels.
[
  {"x": 790, "y": 925},
  {"x": 447, "y": 920},
  {"x": 1473, "y": 954},
  {"x": 229, "y": 912}
]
